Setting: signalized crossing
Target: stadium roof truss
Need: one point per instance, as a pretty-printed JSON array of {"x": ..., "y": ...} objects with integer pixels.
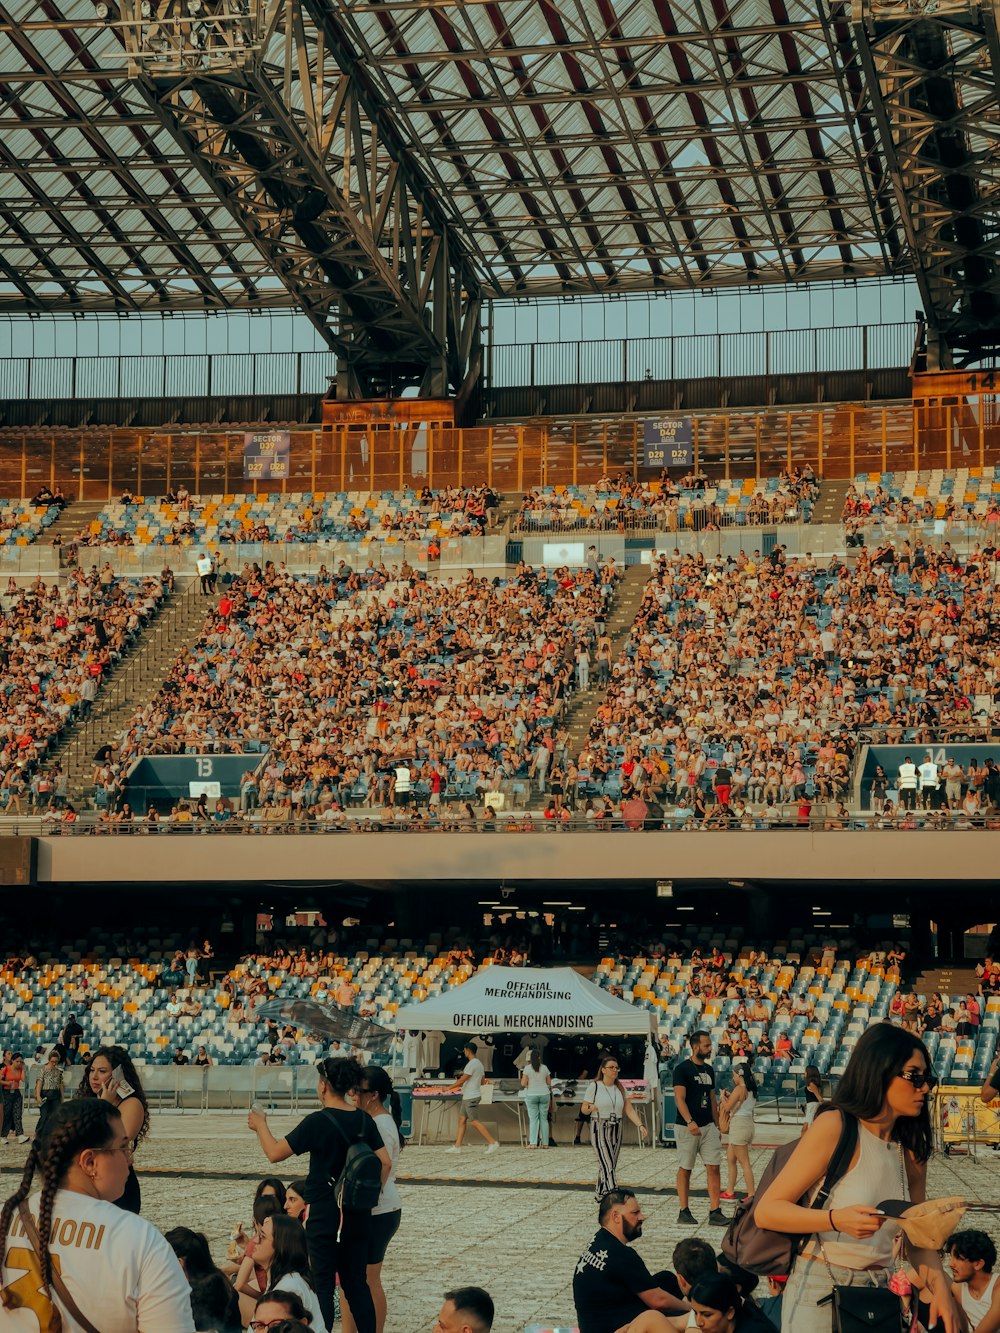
[{"x": 387, "y": 165}]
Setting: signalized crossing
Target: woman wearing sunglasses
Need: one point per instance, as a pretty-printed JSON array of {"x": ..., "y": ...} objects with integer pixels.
[
  {"x": 608, "y": 1104},
  {"x": 886, "y": 1087}
]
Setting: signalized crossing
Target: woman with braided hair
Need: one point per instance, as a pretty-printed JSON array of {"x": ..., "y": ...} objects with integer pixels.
[
  {"x": 112, "y": 1077},
  {"x": 72, "y": 1262}
]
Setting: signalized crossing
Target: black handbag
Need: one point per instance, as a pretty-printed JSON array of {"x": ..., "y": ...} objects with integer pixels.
[{"x": 866, "y": 1310}]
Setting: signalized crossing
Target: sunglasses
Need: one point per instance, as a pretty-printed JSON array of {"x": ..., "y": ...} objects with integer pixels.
[{"x": 920, "y": 1078}]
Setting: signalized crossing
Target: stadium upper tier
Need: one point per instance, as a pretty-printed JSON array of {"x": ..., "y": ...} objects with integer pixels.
[
  {"x": 307, "y": 516},
  {"x": 620, "y": 503},
  {"x": 59, "y": 644},
  {"x": 344, "y": 678}
]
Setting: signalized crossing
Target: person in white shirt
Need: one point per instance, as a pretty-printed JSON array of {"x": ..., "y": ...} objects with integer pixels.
[
  {"x": 608, "y": 1105},
  {"x": 375, "y": 1092},
  {"x": 470, "y": 1084},
  {"x": 537, "y": 1084},
  {"x": 972, "y": 1256},
  {"x": 281, "y": 1249},
  {"x": 68, "y": 1250}
]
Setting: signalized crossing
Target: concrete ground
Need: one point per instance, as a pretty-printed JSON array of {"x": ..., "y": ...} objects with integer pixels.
[{"x": 514, "y": 1222}]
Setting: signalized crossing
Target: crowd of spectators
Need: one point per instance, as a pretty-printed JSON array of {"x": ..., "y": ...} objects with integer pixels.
[
  {"x": 919, "y": 499},
  {"x": 623, "y": 503},
  {"x": 758, "y": 676},
  {"x": 377, "y": 687},
  {"x": 179, "y": 518},
  {"x": 58, "y": 641}
]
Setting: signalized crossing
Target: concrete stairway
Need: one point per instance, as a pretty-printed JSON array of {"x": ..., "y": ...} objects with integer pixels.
[
  {"x": 583, "y": 706},
  {"x": 132, "y": 683},
  {"x": 949, "y": 980},
  {"x": 73, "y": 520},
  {"x": 830, "y": 505}
]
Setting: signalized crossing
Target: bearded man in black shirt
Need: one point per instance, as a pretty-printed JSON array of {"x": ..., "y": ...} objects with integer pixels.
[{"x": 612, "y": 1287}]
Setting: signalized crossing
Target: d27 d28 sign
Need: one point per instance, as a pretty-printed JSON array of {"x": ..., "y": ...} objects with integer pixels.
[
  {"x": 668, "y": 442},
  {"x": 266, "y": 455}
]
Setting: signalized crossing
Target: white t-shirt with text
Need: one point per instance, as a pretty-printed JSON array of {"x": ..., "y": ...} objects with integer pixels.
[{"x": 118, "y": 1268}]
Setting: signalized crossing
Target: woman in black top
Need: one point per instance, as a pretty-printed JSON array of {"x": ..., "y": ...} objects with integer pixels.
[{"x": 336, "y": 1245}]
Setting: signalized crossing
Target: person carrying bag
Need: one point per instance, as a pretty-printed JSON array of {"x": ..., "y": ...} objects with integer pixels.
[{"x": 841, "y": 1277}]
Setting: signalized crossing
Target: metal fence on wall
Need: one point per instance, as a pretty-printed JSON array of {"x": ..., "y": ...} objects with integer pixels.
[{"x": 836, "y": 440}]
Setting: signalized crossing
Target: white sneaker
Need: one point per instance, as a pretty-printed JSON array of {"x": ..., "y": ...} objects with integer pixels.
[
  {"x": 453, "y": 1148},
  {"x": 492, "y": 1147},
  {"x": 23, "y": 1138}
]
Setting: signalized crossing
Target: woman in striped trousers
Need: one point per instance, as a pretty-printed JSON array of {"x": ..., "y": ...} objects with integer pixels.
[{"x": 608, "y": 1104}]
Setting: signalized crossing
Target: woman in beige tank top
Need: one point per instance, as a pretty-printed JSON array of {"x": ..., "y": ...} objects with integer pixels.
[{"x": 886, "y": 1086}]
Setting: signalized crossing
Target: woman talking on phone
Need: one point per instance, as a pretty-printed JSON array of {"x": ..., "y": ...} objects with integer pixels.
[
  {"x": 112, "y": 1076},
  {"x": 885, "y": 1088}
]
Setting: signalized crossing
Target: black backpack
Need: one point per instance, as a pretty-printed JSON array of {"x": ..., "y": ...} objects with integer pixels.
[
  {"x": 772, "y": 1253},
  {"x": 359, "y": 1184}
]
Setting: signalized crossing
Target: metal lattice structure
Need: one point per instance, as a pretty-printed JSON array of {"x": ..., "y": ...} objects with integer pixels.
[
  {"x": 388, "y": 165},
  {"x": 933, "y": 71}
]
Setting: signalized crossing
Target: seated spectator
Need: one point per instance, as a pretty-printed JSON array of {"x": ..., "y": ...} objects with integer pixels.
[
  {"x": 612, "y": 1287},
  {"x": 717, "y": 1304},
  {"x": 465, "y": 1310}
]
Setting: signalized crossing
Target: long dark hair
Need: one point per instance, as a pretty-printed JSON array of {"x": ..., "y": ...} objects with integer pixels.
[
  {"x": 876, "y": 1060},
  {"x": 118, "y": 1057},
  {"x": 343, "y": 1076},
  {"x": 273, "y": 1183},
  {"x": 192, "y": 1248},
  {"x": 744, "y": 1072},
  {"x": 70, "y": 1129},
  {"x": 375, "y": 1079},
  {"x": 291, "y": 1253}
]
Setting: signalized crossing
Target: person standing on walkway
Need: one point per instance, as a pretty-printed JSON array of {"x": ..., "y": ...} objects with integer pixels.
[
  {"x": 537, "y": 1084},
  {"x": 698, "y": 1129},
  {"x": 379, "y": 1098},
  {"x": 608, "y": 1105},
  {"x": 12, "y": 1078},
  {"x": 112, "y": 1076},
  {"x": 885, "y": 1092},
  {"x": 470, "y": 1084},
  {"x": 738, "y": 1105},
  {"x": 338, "y": 1243},
  {"x": 48, "y": 1089},
  {"x": 907, "y": 782}
]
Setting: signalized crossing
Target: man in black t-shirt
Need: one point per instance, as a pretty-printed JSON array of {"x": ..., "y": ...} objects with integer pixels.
[
  {"x": 698, "y": 1129},
  {"x": 991, "y": 1087},
  {"x": 612, "y": 1287}
]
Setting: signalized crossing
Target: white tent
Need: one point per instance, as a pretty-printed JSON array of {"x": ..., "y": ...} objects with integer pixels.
[{"x": 526, "y": 999}]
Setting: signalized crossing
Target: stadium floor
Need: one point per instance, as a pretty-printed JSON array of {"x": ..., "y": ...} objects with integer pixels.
[{"x": 514, "y": 1222}]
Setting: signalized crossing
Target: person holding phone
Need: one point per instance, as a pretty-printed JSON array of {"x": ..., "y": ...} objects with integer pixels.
[
  {"x": 112, "y": 1076},
  {"x": 886, "y": 1088}
]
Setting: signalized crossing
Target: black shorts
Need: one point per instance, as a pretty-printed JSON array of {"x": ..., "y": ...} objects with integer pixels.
[{"x": 384, "y": 1226}]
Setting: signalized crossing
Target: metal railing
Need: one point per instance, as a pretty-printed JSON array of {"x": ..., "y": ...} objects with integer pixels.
[{"x": 91, "y": 824}]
